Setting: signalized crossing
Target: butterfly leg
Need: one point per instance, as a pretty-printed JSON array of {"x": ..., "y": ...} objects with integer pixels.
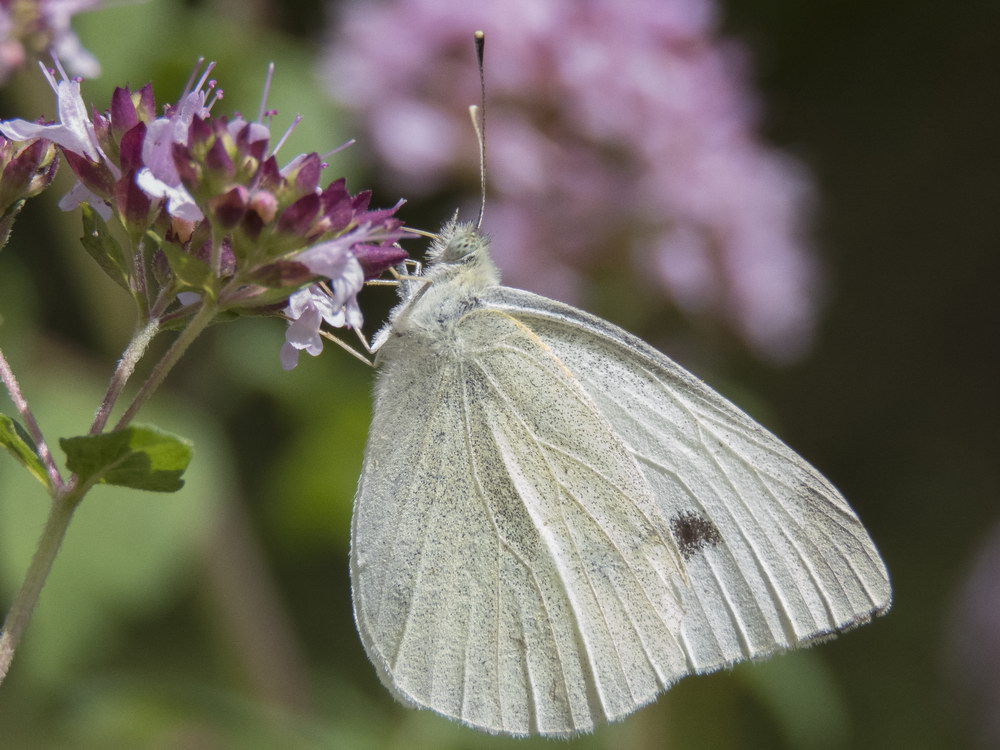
[{"x": 350, "y": 349}]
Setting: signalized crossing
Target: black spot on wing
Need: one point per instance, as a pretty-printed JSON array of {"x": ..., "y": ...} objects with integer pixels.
[{"x": 693, "y": 532}]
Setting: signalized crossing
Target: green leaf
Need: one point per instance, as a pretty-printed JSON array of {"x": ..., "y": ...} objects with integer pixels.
[
  {"x": 141, "y": 457},
  {"x": 193, "y": 273},
  {"x": 102, "y": 583},
  {"x": 18, "y": 442},
  {"x": 7, "y": 221},
  {"x": 103, "y": 247}
]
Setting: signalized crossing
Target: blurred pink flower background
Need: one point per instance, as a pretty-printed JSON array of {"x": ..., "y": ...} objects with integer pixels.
[
  {"x": 41, "y": 29},
  {"x": 614, "y": 131}
]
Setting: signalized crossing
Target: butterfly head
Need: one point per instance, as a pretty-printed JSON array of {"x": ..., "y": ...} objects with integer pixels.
[
  {"x": 458, "y": 243},
  {"x": 461, "y": 251}
]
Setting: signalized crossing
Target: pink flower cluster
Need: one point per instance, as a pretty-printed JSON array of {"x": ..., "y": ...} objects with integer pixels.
[
  {"x": 208, "y": 212},
  {"x": 612, "y": 128}
]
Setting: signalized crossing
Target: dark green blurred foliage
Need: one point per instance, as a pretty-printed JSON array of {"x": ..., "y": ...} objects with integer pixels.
[{"x": 220, "y": 617}]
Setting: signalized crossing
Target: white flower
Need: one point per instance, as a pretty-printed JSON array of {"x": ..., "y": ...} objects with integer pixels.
[
  {"x": 258, "y": 130},
  {"x": 307, "y": 310},
  {"x": 335, "y": 303},
  {"x": 179, "y": 200},
  {"x": 159, "y": 178},
  {"x": 74, "y": 131},
  {"x": 80, "y": 193},
  {"x": 334, "y": 260}
]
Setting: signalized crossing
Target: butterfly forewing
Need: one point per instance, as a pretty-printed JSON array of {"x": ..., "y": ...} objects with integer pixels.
[{"x": 775, "y": 554}]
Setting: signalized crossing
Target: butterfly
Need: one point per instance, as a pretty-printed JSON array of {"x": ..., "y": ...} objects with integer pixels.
[{"x": 555, "y": 522}]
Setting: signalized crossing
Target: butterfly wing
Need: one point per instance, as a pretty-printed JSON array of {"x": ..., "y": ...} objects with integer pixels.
[
  {"x": 561, "y": 522},
  {"x": 774, "y": 555},
  {"x": 511, "y": 567}
]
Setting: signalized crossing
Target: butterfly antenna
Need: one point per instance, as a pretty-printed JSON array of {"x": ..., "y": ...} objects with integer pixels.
[
  {"x": 478, "y": 115},
  {"x": 420, "y": 232}
]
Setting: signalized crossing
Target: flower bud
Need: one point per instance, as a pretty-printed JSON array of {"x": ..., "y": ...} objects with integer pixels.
[{"x": 25, "y": 169}]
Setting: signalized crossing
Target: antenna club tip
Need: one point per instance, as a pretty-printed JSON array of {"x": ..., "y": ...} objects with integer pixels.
[{"x": 479, "y": 34}]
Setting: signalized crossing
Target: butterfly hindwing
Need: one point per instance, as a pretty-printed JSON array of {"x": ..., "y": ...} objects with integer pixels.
[{"x": 510, "y": 565}]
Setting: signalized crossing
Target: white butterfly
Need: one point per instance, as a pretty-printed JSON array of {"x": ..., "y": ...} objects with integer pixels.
[{"x": 555, "y": 521}]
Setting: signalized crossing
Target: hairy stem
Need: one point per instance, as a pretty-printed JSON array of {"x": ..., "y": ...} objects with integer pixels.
[
  {"x": 197, "y": 324},
  {"x": 139, "y": 278},
  {"x": 126, "y": 366},
  {"x": 68, "y": 496},
  {"x": 30, "y": 424},
  {"x": 63, "y": 505}
]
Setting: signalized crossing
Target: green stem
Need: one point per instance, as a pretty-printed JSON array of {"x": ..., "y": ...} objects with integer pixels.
[
  {"x": 17, "y": 618},
  {"x": 139, "y": 285},
  {"x": 126, "y": 366},
  {"x": 31, "y": 425},
  {"x": 201, "y": 320},
  {"x": 215, "y": 261},
  {"x": 68, "y": 497}
]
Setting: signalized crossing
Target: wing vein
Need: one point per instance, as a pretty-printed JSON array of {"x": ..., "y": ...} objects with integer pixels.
[
  {"x": 656, "y": 525},
  {"x": 430, "y": 535},
  {"x": 782, "y": 530},
  {"x": 438, "y": 397},
  {"x": 570, "y": 597},
  {"x": 503, "y": 544}
]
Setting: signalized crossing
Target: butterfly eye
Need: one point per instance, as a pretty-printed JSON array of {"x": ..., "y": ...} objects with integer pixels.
[{"x": 460, "y": 250}]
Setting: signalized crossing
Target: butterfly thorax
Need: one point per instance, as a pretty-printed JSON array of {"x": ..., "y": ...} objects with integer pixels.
[{"x": 459, "y": 269}]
